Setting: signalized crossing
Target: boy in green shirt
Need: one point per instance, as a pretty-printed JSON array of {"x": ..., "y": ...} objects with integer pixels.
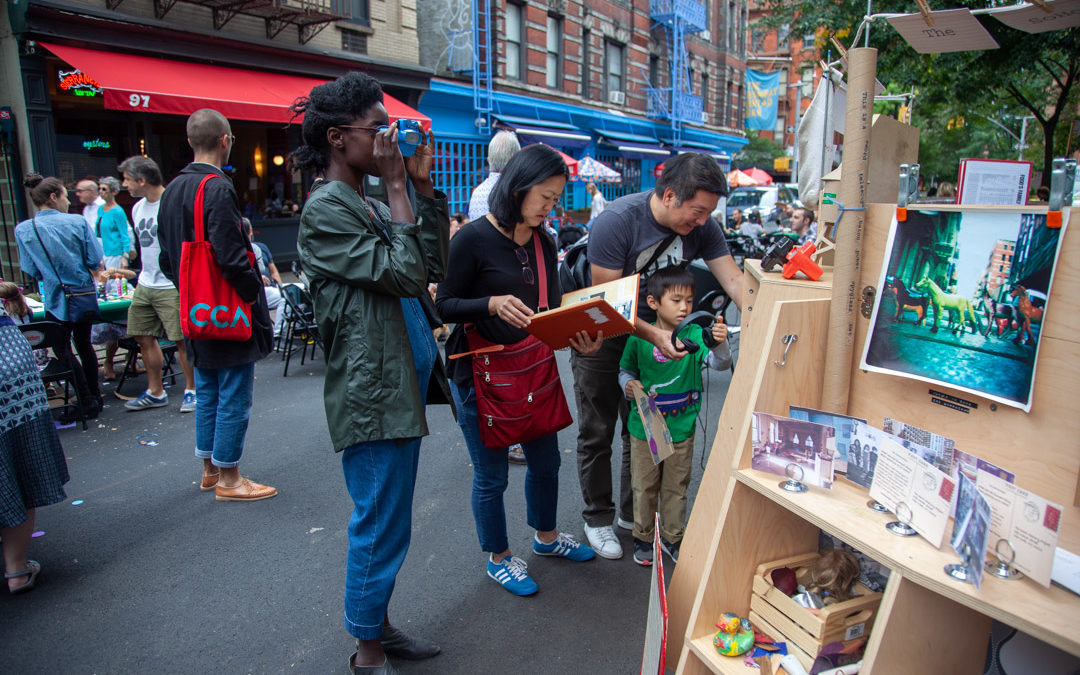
[{"x": 676, "y": 386}]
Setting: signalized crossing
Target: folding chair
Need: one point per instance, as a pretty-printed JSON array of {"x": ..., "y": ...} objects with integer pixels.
[
  {"x": 52, "y": 335},
  {"x": 168, "y": 373},
  {"x": 299, "y": 322}
]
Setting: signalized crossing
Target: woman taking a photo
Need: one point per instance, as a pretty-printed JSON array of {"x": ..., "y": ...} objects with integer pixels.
[
  {"x": 56, "y": 247},
  {"x": 493, "y": 284},
  {"x": 369, "y": 265},
  {"x": 112, "y": 225}
]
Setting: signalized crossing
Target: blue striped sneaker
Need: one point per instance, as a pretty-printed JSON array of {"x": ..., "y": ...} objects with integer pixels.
[
  {"x": 564, "y": 546},
  {"x": 512, "y": 574}
]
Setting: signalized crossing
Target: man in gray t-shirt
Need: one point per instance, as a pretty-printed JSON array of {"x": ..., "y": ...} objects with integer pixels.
[{"x": 675, "y": 216}]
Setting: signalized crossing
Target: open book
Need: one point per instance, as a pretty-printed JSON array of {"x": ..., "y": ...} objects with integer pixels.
[{"x": 610, "y": 307}]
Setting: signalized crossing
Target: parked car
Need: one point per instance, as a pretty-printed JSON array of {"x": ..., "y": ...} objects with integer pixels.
[{"x": 763, "y": 200}]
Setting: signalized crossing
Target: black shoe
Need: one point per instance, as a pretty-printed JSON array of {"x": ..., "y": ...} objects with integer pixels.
[
  {"x": 396, "y": 643},
  {"x": 643, "y": 553},
  {"x": 672, "y": 550}
]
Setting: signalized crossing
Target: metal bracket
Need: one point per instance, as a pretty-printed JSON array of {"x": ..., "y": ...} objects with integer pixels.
[
  {"x": 788, "y": 340},
  {"x": 866, "y": 308},
  {"x": 162, "y": 7},
  {"x": 1062, "y": 180},
  {"x": 908, "y": 191}
]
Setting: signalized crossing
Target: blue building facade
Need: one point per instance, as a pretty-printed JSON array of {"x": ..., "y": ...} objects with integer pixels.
[{"x": 633, "y": 146}]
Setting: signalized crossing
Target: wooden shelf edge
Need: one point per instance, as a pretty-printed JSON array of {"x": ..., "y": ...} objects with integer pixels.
[
  {"x": 703, "y": 649},
  {"x": 842, "y": 512}
]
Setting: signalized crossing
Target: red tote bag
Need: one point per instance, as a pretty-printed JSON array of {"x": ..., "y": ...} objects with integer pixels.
[{"x": 210, "y": 308}]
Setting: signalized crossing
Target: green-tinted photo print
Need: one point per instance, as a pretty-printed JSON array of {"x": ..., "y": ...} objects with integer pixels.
[{"x": 961, "y": 301}]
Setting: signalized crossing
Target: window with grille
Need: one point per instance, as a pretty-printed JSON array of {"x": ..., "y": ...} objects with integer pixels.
[
  {"x": 514, "y": 41},
  {"x": 354, "y": 42},
  {"x": 458, "y": 167},
  {"x": 631, "y": 175},
  {"x": 554, "y": 52},
  {"x": 355, "y": 11}
]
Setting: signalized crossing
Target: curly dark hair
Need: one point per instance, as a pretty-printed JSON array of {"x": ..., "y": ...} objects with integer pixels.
[
  {"x": 331, "y": 104},
  {"x": 530, "y": 167}
]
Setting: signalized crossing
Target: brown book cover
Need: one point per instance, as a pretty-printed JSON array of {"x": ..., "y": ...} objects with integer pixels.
[{"x": 610, "y": 307}]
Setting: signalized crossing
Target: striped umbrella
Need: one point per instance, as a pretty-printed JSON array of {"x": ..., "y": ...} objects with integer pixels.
[{"x": 590, "y": 170}]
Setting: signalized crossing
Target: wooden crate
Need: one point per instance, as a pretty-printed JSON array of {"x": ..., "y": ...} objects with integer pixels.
[{"x": 808, "y": 630}]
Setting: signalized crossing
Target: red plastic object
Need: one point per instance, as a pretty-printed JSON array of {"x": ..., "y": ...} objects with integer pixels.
[
  {"x": 901, "y": 214},
  {"x": 798, "y": 260},
  {"x": 1053, "y": 220}
]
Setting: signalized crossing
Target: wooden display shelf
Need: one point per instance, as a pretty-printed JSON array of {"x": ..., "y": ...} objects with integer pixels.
[
  {"x": 1050, "y": 613},
  {"x": 718, "y": 663}
]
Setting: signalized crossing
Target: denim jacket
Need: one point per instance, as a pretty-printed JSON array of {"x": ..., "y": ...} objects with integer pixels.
[{"x": 72, "y": 247}]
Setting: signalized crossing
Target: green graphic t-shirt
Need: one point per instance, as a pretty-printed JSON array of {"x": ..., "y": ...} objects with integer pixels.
[{"x": 676, "y": 384}]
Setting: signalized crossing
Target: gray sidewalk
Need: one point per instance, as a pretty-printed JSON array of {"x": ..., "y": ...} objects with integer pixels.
[{"x": 148, "y": 574}]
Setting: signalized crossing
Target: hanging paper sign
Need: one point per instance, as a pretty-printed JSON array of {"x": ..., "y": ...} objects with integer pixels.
[
  {"x": 762, "y": 94},
  {"x": 954, "y": 30},
  {"x": 1063, "y": 14}
]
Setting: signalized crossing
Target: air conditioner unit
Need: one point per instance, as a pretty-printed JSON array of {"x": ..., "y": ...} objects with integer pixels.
[
  {"x": 705, "y": 35},
  {"x": 616, "y": 97},
  {"x": 704, "y": 118}
]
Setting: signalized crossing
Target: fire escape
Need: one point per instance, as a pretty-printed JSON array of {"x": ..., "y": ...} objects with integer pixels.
[
  {"x": 677, "y": 103},
  {"x": 471, "y": 52}
]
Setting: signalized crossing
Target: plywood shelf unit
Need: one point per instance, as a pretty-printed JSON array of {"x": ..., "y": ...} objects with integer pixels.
[{"x": 742, "y": 518}]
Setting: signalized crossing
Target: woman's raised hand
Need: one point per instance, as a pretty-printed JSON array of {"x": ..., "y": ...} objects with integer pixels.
[
  {"x": 387, "y": 156},
  {"x": 419, "y": 165},
  {"x": 510, "y": 309}
]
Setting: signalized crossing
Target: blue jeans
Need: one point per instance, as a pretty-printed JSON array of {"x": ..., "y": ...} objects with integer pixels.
[
  {"x": 221, "y": 418},
  {"x": 490, "y": 477},
  {"x": 381, "y": 477}
]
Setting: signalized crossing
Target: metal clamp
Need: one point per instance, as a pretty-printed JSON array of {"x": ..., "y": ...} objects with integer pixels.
[
  {"x": 1004, "y": 568},
  {"x": 908, "y": 191},
  {"x": 794, "y": 483},
  {"x": 787, "y": 340},
  {"x": 901, "y": 527},
  {"x": 1062, "y": 180}
]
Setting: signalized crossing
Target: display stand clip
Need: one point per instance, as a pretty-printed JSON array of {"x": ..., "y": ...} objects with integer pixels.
[
  {"x": 875, "y": 505},
  {"x": 961, "y": 571},
  {"x": 1004, "y": 568},
  {"x": 901, "y": 527},
  {"x": 1062, "y": 179},
  {"x": 794, "y": 482},
  {"x": 908, "y": 192},
  {"x": 788, "y": 340}
]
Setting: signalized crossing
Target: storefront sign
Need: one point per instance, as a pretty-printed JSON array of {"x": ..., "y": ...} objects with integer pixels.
[
  {"x": 78, "y": 83},
  {"x": 96, "y": 144}
]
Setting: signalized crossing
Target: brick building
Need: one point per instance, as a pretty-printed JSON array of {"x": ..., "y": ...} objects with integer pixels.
[{"x": 628, "y": 82}]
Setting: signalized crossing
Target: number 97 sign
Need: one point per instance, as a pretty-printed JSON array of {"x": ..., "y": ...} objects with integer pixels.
[{"x": 139, "y": 100}]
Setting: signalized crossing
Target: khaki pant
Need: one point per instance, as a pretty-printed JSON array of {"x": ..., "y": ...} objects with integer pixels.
[{"x": 665, "y": 482}]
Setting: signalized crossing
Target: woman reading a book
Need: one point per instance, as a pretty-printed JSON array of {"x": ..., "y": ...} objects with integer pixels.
[{"x": 493, "y": 286}]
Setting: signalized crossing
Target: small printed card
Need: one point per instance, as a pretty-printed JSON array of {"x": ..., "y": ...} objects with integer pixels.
[
  {"x": 972, "y": 534},
  {"x": 779, "y": 442},
  {"x": 1029, "y": 522},
  {"x": 903, "y": 477},
  {"x": 841, "y": 424}
]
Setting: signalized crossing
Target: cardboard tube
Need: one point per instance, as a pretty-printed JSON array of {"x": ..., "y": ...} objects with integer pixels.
[{"x": 862, "y": 67}]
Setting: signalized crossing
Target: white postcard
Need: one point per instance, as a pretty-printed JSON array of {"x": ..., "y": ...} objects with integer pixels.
[
  {"x": 903, "y": 477},
  {"x": 1029, "y": 522}
]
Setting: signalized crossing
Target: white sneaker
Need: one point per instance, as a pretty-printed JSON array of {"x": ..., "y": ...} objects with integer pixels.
[
  {"x": 604, "y": 542},
  {"x": 627, "y": 525}
]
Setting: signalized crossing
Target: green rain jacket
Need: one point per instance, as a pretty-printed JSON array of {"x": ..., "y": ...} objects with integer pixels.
[{"x": 359, "y": 265}]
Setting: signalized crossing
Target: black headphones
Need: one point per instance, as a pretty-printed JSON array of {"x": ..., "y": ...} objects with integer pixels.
[{"x": 703, "y": 319}]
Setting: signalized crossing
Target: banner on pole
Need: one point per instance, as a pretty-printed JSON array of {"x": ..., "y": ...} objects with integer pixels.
[{"x": 762, "y": 94}]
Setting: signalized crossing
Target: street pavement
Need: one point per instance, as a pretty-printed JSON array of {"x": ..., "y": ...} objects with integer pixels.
[{"x": 148, "y": 574}]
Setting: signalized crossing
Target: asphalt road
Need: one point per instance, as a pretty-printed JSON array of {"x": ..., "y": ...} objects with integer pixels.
[{"x": 148, "y": 574}]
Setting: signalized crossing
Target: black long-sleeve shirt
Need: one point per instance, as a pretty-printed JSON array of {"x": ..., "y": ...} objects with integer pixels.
[{"x": 484, "y": 263}]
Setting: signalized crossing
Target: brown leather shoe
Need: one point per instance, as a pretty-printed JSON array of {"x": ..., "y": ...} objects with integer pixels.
[
  {"x": 246, "y": 491},
  {"x": 516, "y": 454},
  {"x": 209, "y": 481}
]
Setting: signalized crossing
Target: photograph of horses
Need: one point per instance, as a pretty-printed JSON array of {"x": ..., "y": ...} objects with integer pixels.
[{"x": 963, "y": 294}]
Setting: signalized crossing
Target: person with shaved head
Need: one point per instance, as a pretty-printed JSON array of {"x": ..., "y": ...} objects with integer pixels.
[{"x": 224, "y": 370}]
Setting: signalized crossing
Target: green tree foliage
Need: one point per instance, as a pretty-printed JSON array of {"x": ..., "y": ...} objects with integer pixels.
[
  {"x": 759, "y": 152},
  {"x": 1031, "y": 74}
]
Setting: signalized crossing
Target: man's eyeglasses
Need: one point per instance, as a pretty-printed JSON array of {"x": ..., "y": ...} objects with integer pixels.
[{"x": 526, "y": 271}]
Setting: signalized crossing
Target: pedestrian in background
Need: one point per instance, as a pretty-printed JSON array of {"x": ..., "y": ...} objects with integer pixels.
[
  {"x": 89, "y": 195},
  {"x": 32, "y": 467},
  {"x": 58, "y": 248},
  {"x": 502, "y": 148},
  {"x": 598, "y": 202},
  {"x": 224, "y": 370},
  {"x": 369, "y": 266},
  {"x": 493, "y": 285},
  {"x": 112, "y": 225},
  {"x": 154, "y": 312}
]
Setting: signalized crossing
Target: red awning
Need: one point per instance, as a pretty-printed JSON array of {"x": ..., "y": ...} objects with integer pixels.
[{"x": 148, "y": 84}]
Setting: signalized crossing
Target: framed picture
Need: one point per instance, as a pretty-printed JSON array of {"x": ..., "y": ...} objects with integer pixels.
[{"x": 963, "y": 299}]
